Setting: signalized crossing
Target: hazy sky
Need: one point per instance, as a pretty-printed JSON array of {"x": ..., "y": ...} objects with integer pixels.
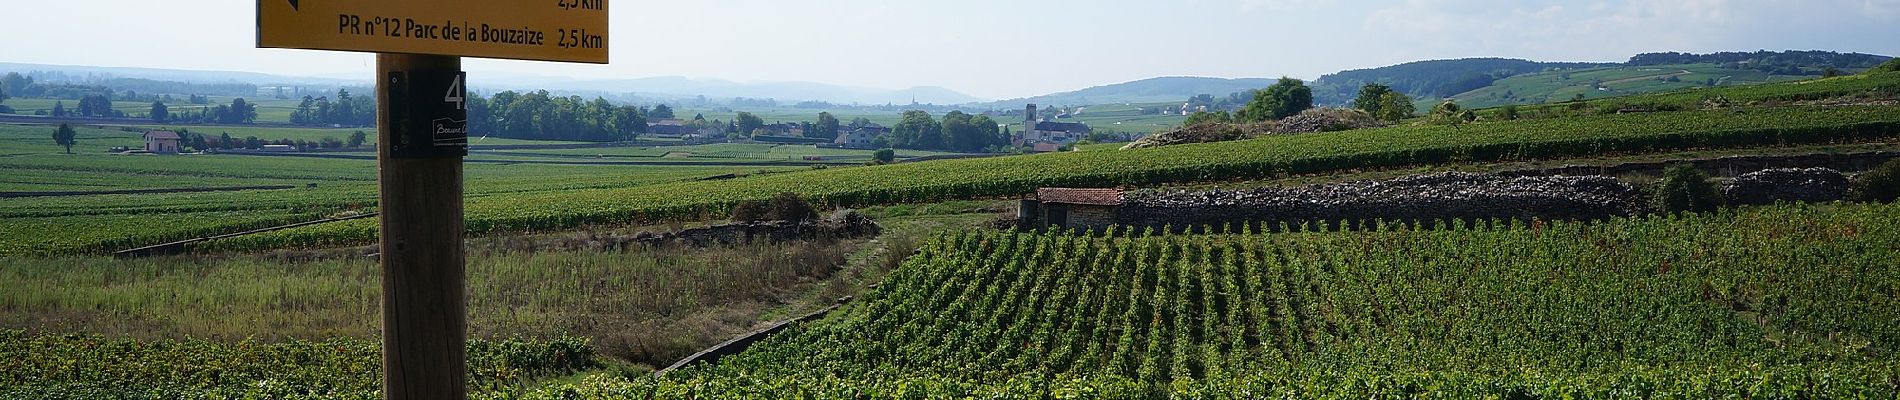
[{"x": 1005, "y": 48}]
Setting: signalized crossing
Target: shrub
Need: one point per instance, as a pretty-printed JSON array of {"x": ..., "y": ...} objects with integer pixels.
[
  {"x": 1685, "y": 189},
  {"x": 885, "y": 156},
  {"x": 1880, "y": 185},
  {"x": 1891, "y": 66},
  {"x": 748, "y": 211},
  {"x": 787, "y": 206}
]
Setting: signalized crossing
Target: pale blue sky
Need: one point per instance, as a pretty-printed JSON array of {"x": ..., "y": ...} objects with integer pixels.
[{"x": 1006, "y": 48}]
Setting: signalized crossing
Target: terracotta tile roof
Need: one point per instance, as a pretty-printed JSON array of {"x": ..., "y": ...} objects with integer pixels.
[
  {"x": 1090, "y": 197},
  {"x": 161, "y": 135}
]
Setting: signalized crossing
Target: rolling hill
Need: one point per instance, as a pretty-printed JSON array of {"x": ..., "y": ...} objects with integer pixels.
[
  {"x": 1152, "y": 90},
  {"x": 1593, "y": 83}
]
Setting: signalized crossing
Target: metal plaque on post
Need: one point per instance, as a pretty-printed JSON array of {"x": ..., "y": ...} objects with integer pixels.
[{"x": 428, "y": 113}]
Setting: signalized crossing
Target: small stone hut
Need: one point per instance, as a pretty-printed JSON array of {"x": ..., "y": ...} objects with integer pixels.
[{"x": 1070, "y": 208}]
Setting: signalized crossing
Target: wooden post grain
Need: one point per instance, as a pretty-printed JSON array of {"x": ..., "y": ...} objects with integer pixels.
[{"x": 424, "y": 289}]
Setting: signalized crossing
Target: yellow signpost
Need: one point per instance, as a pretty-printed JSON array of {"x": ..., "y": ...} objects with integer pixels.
[
  {"x": 422, "y": 135},
  {"x": 544, "y": 30}
]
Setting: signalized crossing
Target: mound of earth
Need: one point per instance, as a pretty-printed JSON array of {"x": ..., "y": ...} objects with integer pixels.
[
  {"x": 1201, "y": 133},
  {"x": 1309, "y": 121}
]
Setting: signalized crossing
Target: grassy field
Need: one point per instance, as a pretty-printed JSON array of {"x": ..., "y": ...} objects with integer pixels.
[{"x": 1550, "y": 87}]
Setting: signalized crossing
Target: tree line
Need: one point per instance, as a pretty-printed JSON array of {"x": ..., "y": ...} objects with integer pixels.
[
  {"x": 958, "y": 131},
  {"x": 345, "y": 110}
]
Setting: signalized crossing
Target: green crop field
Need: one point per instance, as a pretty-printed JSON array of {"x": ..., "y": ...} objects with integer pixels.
[
  {"x": 1775, "y": 302},
  {"x": 1786, "y": 302}
]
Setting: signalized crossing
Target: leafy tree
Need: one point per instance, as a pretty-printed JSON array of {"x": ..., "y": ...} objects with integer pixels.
[
  {"x": 15, "y": 83},
  {"x": 885, "y": 156},
  {"x": 343, "y": 111},
  {"x": 917, "y": 130},
  {"x": 1203, "y": 117},
  {"x": 225, "y": 141},
  {"x": 356, "y": 139},
  {"x": 661, "y": 112},
  {"x": 629, "y": 123},
  {"x": 197, "y": 142},
  {"x": 239, "y": 112},
  {"x": 1284, "y": 99},
  {"x": 1371, "y": 98},
  {"x": 159, "y": 112},
  {"x": 826, "y": 128},
  {"x": 746, "y": 122},
  {"x": 59, "y": 108},
  {"x": 1395, "y": 106},
  {"x": 65, "y": 136},
  {"x": 90, "y": 105},
  {"x": 1685, "y": 189}
]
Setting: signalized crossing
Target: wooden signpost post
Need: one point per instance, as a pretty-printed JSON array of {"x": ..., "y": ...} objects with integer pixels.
[{"x": 422, "y": 135}]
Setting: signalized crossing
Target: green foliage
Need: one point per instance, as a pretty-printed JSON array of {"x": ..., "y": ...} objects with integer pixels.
[
  {"x": 65, "y": 136},
  {"x": 159, "y": 112},
  {"x": 885, "y": 156},
  {"x": 747, "y": 122},
  {"x": 917, "y": 130},
  {"x": 827, "y": 127},
  {"x": 1283, "y": 99},
  {"x": 1684, "y": 188},
  {"x": 357, "y": 139},
  {"x": 1880, "y": 185},
  {"x": 1395, "y": 106},
  {"x": 1890, "y": 66},
  {"x": 80, "y": 366},
  {"x": 966, "y": 133},
  {"x": 1371, "y": 98},
  {"x": 1692, "y": 306}
]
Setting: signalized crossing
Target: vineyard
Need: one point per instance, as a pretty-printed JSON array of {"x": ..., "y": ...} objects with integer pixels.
[
  {"x": 516, "y": 198},
  {"x": 92, "y": 367},
  {"x": 1780, "y": 302},
  {"x": 1263, "y": 157}
]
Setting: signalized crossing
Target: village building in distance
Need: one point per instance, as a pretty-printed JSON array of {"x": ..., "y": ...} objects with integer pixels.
[
  {"x": 161, "y": 142},
  {"x": 861, "y": 138},
  {"x": 1044, "y": 136}
]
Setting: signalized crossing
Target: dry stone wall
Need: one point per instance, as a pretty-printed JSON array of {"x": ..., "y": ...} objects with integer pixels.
[
  {"x": 1445, "y": 196},
  {"x": 1813, "y": 185}
]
